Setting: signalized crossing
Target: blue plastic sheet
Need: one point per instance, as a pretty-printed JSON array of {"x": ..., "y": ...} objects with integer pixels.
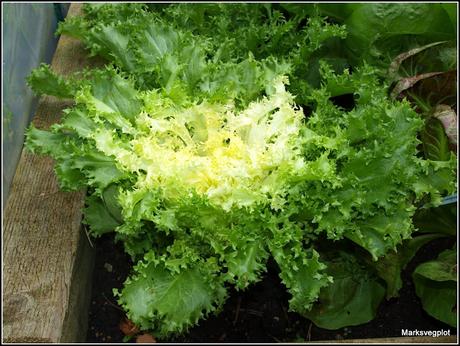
[{"x": 28, "y": 40}]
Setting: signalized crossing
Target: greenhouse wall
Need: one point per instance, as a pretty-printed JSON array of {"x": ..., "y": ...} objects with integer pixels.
[{"x": 28, "y": 40}]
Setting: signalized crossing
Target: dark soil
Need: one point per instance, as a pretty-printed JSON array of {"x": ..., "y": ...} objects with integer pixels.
[{"x": 259, "y": 314}]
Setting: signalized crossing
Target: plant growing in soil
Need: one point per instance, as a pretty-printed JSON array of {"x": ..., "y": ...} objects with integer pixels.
[
  {"x": 426, "y": 76},
  {"x": 209, "y": 146}
]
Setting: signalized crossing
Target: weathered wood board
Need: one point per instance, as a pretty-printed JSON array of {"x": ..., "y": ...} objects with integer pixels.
[
  {"x": 397, "y": 340},
  {"x": 47, "y": 259}
]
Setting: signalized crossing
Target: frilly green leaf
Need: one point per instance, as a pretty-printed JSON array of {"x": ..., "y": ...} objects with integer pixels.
[
  {"x": 170, "y": 302},
  {"x": 98, "y": 217},
  {"x": 43, "y": 81}
]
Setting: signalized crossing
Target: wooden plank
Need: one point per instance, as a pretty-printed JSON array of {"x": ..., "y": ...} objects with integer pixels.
[
  {"x": 398, "y": 340},
  {"x": 47, "y": 260}
]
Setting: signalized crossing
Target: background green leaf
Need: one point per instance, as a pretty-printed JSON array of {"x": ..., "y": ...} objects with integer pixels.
[
  {"x": 352, "y": 298},
  {"x": 435, "y": 284},
  {"x": 442, "y": 219},
  {"x": 389, "y": 268}
]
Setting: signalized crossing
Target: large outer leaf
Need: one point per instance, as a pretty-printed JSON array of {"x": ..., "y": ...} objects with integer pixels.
[
  {"x": 77, "y": 164},
  {"x": 351, "y": 299},
  {"x": 98, "y": 217},
  {"x": 383, "y": 26},
  {"x": 436, "y": 285},
  {"x": 171, "y": 301},
  {"x": 451, "y": 9},
  {"x": 390, "y": 266},
  {"x": 442, "y": 269},
  {"x": 379, "y": 32},
  {"x": 442, "y": 219}
]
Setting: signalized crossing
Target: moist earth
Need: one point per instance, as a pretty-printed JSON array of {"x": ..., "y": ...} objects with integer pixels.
[{"x": 259, "y": 314}]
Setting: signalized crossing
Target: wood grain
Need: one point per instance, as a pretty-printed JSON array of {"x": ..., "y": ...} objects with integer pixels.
[
  {"x": 398, "y": 340},
  {"x": 47, "y": 259}
]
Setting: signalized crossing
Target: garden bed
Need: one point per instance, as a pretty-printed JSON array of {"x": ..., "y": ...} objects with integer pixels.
[
  {"x": 260, "y": 314},
  {"x": 42, "y": 232}
]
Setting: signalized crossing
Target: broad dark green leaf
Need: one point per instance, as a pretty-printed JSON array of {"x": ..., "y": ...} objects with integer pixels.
[
  {"x": 390, "y": 266},
  {"x": 442, "y": 219},
  {"x": 444, "y": 268},
  {"x": 436, "y": 285},
  {"x": 99, "y": 219},
  {"x": 352, "y": 298},
  {"x": 377, "y": 30}
]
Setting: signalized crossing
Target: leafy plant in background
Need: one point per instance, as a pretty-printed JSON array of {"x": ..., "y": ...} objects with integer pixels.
[
  {"x": 197, "y": 152},
  {"x": 427, "y": 77},
  {"x": 436, "y": 285},
  {"x": 377, "y": 33}
]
